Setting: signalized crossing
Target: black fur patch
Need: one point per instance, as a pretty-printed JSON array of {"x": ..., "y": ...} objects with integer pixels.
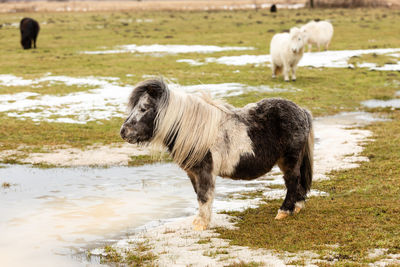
[
  {"x": 202, "y": 178},
  {"x": 156, "y": 88},
  {"x": 274, "y": 134}
]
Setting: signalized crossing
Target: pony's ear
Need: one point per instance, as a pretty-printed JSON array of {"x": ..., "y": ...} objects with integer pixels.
[{"x": 294, "y": 30}]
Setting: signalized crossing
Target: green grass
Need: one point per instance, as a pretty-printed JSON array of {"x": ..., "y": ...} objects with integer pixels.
[
  {"x": 379, "y": 60},
  {"x": 146, "y": 159},
  {"x": 5, "y": 185},
  {"x": 140, "y": 255},
  {"x": 361, "y": 213}
]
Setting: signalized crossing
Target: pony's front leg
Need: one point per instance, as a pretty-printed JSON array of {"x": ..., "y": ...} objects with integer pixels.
[
  {"x": 203, "y": 184},
  {"x": 294, "y": 68},
  {"x": 286, "y": 70}
]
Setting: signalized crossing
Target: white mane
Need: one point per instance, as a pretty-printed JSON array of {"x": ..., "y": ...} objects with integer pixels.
[{"x": 191, "y": 122}]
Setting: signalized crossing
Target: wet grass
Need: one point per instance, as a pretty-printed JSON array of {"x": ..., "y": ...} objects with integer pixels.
[
  {"x": 245, "y": 264},
  {"x": 379, "y": 60},
  {"x": 5, "y": 185},
  {"x": 147, "y": 159},
  {"x": 362, "y": 211},
  {"x": 140, "y": 255}
]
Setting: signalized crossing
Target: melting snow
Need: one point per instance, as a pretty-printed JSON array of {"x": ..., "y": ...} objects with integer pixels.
[
  {"x": 107, "y": 100},
  {"x": 168, "y": 49},
  {"x": 329, "y": 59},
  {"x": 375, "y": 103}
]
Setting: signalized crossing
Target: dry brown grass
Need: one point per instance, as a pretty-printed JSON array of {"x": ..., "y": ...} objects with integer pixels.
[
  {"x": 88, "y": 6},
  {"x": 356, "y": 3}
]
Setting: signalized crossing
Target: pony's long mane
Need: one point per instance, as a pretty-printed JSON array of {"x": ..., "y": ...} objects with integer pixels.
[{"x": 190, "y": 123}]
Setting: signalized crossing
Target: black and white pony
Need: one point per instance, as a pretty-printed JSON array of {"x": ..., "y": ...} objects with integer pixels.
[{"x": 209, "y": 138}]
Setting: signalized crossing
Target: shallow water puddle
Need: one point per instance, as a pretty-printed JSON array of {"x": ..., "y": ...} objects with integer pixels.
[
  {"x": 49, "y": 217},
  {"x": 377, "y": 103}
]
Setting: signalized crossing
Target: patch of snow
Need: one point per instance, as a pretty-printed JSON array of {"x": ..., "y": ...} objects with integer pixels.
[
  {"x": 272, "y": 194},
  {"x": 366, "y": 65},
  {"x": 338, "y": 144},
  {"x": 176, "y": 244},
  {"x": 107, "y": 155},
  {"x": 388, "y": 67},
  {"x": 191, "y": 62},
  {"x": 169, "y": 49},
  {"x": 375, "y": 103},
  {"x": 227, "y": 89},
  {"x": 144, "y": 20},
  {"x": 389, "y": 260},
  {"x": 11, "y": 80},
  {"x": 326, "y": 59},
  {"x": 240, "y": 60},
  {"x": 378, "y": 252},
  {"x": 394, "y": 55},
  {"x": 108, "y": 100}
]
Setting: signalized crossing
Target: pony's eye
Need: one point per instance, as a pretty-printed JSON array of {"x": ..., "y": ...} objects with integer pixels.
[{"x": 142, "y": 110}]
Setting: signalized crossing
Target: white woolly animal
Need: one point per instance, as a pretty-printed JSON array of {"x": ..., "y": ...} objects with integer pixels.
[
  {"x": 286, "y": 50},
  {"x": 319, "y": 33}
]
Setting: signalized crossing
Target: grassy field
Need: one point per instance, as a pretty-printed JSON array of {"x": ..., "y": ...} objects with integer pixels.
[
  {"x": 362, "y": 211},
  {"x": 64, "y": 35}
]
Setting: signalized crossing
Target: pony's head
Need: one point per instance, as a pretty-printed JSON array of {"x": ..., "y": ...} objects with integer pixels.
[
  {"x": 143, "y": 106},
  {"x": 298, "y": 39},
  {"x": 26, "y": 42}
]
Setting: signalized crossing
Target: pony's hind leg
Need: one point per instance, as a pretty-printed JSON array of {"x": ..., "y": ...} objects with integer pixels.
[
  {"x": 290, "y": 167},
  {"x": 274, "y": 70},
  {"x": 203, "y": 183}
]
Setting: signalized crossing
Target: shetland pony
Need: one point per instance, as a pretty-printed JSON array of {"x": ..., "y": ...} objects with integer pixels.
[
  {"x": 207, "y": 138},
  {"x": 29, "y": 29},
  {"x": 286, "y": 50}
]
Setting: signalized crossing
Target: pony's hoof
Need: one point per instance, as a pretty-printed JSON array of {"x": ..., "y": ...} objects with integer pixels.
[
  {"x": 298, "y": 206},
  {"x": 297, "y": 210},
  {"x": 281, "y": 215},
  {"x": 199, "y": 225},
  {"x": 294, "y": 79}
]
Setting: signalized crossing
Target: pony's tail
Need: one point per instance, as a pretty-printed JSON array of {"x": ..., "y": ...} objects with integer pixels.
[{"x": 306, "y": 169}]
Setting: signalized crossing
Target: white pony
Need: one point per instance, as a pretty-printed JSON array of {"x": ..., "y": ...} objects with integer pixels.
[
  {"x": 319, "y": 33},
  {"x": 286, "y": 50}
]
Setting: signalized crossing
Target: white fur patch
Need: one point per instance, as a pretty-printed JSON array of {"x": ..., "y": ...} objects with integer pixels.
[
  {"x": 232, "y": 142},
  {"x": 300, "y": 204}
]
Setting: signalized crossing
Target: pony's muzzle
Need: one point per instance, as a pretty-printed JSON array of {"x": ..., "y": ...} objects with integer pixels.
[{"x": 125, "y": 132}]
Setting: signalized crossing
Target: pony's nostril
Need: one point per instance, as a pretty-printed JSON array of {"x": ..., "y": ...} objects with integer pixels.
[{"x": 123, "y": 131}]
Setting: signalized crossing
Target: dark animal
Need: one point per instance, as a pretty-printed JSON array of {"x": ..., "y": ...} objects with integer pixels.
[
  {"x": 29, "y": 31},
  {"x": 273, "y": 8},
  {"x": 208, "y": 138}
]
